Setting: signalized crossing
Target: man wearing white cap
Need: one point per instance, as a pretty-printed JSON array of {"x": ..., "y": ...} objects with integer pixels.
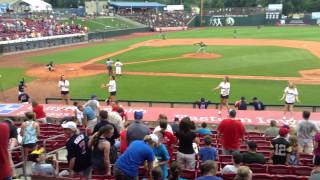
[
  {"x": 139, "y": 151},
  {"x": 78, "y": 151}
]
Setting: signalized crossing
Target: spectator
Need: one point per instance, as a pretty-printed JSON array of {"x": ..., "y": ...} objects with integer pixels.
[
  {"x": 290, "y": 95},
  {"x": 127, "y": 166},
  {"x": 23, "y": 98},
  {"x": 316, "y": 148},
  {"x": 168, "y": 138},
  {"x": 41, "y": 165},
  {"x": 258, "y": 105},
  {"x": 116, "y": 119},
  {"x": 243, "y": 173},
  {"x": 164, "y": 120},
  {"x": 204, "y": 130},
  {"x": 186, "y": 154},
  {"x": 232, "y": 131},
  {"x": 78, "y": 114},
  {"x": 5, "y": 172},
  {"x": 21, "y": 86},
  {"x": 273, "y": 130},
  {"x": 175, "y": 171},
  {"x": 30, "y": 130},
  {"x": 293, "y": 150},
  {"x": 89, "y": 117},
  {"x": 241, "y": 104},
  {"x": 123, "y": 139},
  {"x": 252, "y": 157},
  {"x": 39, "y": 112},
  {"x": 101, "y": 150},
  {"x": 94, "y": 104},
  {"x": 315, "y": 173},
  {"x": 123, "y": 114},
  {"x": 79, "y": 154},
  {"x": 209, "y": 171},
  {"x": 162, "y": 155},
  {"x": 137, "y": 130},
  {"x": 306, "y": 130},
  {"x": 112, "y": 140},
  {"x": 175, "y": 125},
  {"x": 207, "y": 152},
  {"x": 203, "y": 104},
  {"x": 13, "y": 142},
  {"x": 280, "y": 147},
  {"x": 236, "y": 162},
  {"x": 64, "y": 86}
]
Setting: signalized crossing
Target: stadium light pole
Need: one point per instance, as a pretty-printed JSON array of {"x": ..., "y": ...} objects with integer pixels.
[{"x": 201, "y": 12}]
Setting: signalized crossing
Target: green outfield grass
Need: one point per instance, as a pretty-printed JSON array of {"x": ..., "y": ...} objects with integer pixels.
[
  {"x": 237, "y": 60},
  {"x": 10, "y": 77},
  {"x": 103, "y": 24},
  {"x": 188, "y": 89}
]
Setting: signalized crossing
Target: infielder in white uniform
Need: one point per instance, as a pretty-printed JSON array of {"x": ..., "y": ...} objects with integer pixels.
[{"x": 118, "y": 66}]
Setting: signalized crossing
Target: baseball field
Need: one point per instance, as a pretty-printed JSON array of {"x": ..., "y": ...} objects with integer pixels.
[{"x": 259, "y": 63}]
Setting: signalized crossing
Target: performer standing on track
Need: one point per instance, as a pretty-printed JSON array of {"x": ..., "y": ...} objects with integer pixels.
[
  {"x": 64, "y": 89},
  {"x": 290, "y": 96},
  {"x": 202, "y": 47},
  {"x": 109, "y": 66},
  {"x": 112, "y": 87},
  {"x": 224, "y": 87},
  {"x": 21, "y": 86}
]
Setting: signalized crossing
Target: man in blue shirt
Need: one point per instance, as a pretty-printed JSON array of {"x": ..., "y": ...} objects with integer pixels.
[
  {"x": 137, "y": 130},
  {"x": 127, "y": 166},
  {"x": 208, "y": 171},
  {"x": 89, "y": 117},
  {"x": 207, "y": 152},
  {"x": 204, "y": 130}
]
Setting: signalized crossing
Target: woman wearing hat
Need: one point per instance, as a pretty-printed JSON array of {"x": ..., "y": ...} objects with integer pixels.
[{"x": 127, "y": 166}]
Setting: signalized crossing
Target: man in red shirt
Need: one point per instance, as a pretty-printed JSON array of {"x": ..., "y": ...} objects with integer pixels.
[
  {"x": 39, "y": 112},
  {"x": 5, "y": 172},
  {"x": 231, "y": 132}
]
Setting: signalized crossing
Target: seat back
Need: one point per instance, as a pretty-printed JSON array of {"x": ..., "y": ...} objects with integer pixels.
[
  {"x": 188, "y": 174},
  {"x": 258, "y": 168},
  {"x": 279, "y": 169},
  {"x": 302, "y": 170}
]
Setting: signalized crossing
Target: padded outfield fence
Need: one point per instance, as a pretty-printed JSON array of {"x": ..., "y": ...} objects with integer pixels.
[{"x": 174, "y": 104}]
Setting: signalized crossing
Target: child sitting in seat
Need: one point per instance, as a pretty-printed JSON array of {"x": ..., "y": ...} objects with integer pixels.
[{"x": 42, "y": 165}]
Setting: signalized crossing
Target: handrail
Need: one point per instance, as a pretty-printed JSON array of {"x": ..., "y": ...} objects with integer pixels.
[
  {"x": 172, "y": 103},
  {"x": 51, "y": 138},
  {"x": 22, "y": 162}
]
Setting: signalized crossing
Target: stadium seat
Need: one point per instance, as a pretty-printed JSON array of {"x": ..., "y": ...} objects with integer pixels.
[
  {"x": 264, "y": 148},
  {"x": 305, "y": 156},
  {"x": 289, "y": 177},
  {"x": 41, "y": 177},
  {"x": 257, "y": 138},
  {"x": 258, "y": 168},
  {"x": 225, "y": 158},
  {"x": 306, "y": 162},
  {"x": 262, "y": 143},
  {"x": 302, "y": 170},
  {"x": 188, "y": 174},
  {"x": 262, "y": 176},
  {"x": 279, "y": 169}
]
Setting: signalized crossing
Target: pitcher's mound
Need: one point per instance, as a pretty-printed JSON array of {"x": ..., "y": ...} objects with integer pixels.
[{"x": 202, "y": 55}]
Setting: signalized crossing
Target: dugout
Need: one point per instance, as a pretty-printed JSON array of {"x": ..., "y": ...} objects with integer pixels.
[{"x": 136, "y": 6}]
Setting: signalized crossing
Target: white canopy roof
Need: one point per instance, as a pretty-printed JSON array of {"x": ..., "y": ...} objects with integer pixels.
[{"x": 38, "y": 5}]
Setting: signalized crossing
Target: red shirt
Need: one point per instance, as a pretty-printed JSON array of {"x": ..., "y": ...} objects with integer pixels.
[
  {"x": 232, "y": 131},
  {"x": 38, "y": 110},
  {"x": 123, "y": 141},
  {"x": 4, "y": 156},
  {"x": 169, "y": 139}
]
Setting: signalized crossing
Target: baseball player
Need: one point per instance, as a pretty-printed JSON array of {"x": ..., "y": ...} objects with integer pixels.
[
  {"x": 202, "y": 47},
  {"x": 109, "y": 66},
  {"x": 118, "y": 66}
]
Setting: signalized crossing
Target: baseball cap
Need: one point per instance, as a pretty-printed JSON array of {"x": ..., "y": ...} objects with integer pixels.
[
  {"x": 69, "y": 125},
  {"x": 38, "y": 151},
  {"x": 154, "y": 138},
  {"x": 283, "y": 131},
  {"x": 252, "y": 145},
  {"x": 138, "y": 115}
]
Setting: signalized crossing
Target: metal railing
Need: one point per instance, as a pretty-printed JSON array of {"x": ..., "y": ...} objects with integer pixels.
[
  {"x": 23, "y": 163},
  {"x": 172, "y": 104},
  {"x": 56, "y": 150}
]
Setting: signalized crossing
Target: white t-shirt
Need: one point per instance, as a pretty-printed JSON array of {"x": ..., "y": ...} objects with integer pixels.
[
  {"x": 224, "y": 88},
  {"x": 118, "y": 64},
  {"x": 64, "y": 85},
  {"x": 291, "y": 94},
  {"x": 112, "y": 86},
  {"x": 169, "y": 129},
  {"x": 229, "y": 169}
]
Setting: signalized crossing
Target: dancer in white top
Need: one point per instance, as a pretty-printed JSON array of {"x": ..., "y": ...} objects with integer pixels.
[
  {"x": 290, "y": 96},
  {"x": 64, "y": 89},
  {"x": 224, "y": 87},
  {"x": 112, "y": 87}
]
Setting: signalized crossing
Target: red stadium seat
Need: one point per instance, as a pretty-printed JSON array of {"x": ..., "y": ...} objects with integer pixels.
[
  {"x": 258, "y": 168},
  {"x": 279, "y": 169},
  {"x": 188, "y": 174},
  {"x": 289, "y": 177},
  {"x": 262, "y": 143},
  {"x": 225, "y": 158},
  {"x": 302, "y": 170},
  {"x": 306, "y": 162},
  {"x": 257, "y": 138},
  {"x": 262, "y": 177},
  {"x": 264, "y": 148},
  {"x": 305, "y": 156}
]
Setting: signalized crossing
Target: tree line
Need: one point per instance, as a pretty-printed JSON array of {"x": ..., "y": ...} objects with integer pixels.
[{"x": 290, "y": 6}]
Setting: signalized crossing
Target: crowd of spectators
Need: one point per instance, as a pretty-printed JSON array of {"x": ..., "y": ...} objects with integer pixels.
[
  {"x": 11, "y": 29},
  {"x": 236, "y": 11},
  {"x": 159, "y": 19},
  {"x": 117, "y": 148}
]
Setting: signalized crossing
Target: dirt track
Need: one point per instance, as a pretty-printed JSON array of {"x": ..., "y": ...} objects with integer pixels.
[{"x": 90, "y": 68}]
